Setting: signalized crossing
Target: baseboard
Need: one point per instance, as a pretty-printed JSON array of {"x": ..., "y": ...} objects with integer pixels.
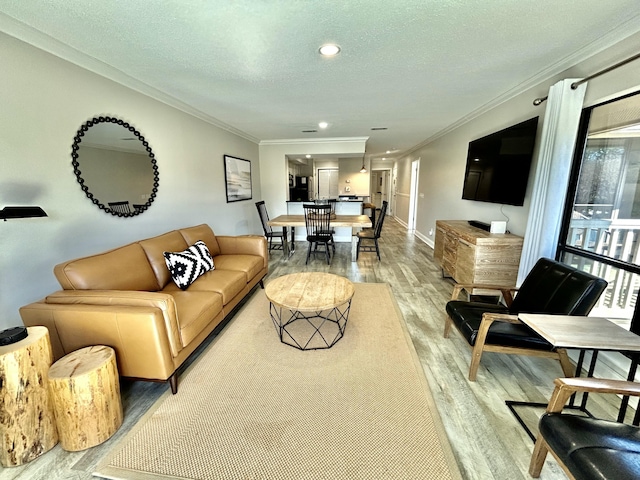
[
  {"x": 424, "y": 238},
  {"x": 401, "y": 222}
]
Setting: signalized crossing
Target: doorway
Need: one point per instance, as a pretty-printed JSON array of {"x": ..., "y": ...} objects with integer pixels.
[
  {"x": 413, "y": 195},
  {"x": 380, "y": 187}
]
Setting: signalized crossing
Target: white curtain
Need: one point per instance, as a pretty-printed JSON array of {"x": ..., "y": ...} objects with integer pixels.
[{"x": 553, "y": 165}]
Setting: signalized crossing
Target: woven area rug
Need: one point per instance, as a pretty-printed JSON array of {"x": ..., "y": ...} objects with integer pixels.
[{"x": 251, "y": 407}]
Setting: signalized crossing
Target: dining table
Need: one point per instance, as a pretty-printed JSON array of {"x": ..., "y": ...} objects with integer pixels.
[{"x": 356, "y": 222}]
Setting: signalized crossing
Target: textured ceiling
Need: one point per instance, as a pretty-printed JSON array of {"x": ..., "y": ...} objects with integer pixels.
[{"x": 414, "y": 66}]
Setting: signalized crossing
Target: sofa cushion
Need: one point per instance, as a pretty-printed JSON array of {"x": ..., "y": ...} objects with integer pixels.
[
  {"x": 250, "y": 265},
  {"x": 155, "y": 247},
  {"x": 189, "y": 264},
  {"x": 227, "y": 283},
  {"x": 124, "y": 268},
  {"x": 195, "y": 312},
  {"x": 201, "y": 232}
]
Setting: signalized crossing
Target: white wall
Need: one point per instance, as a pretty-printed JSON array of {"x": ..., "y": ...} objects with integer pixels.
[
  {"x": 443, "y": 160},
  {"x": 358, "y": 182},
  {"x": 273, "y": 163},
  {"x": 403, "y": 190},
  {"x": 44, "y": 101}
]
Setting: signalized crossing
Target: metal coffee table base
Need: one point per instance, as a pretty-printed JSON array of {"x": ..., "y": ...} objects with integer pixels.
[{"x": 310, "y": 330}]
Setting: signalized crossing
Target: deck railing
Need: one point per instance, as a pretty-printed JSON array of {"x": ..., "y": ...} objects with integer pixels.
[{"x": 593, "y": 229}]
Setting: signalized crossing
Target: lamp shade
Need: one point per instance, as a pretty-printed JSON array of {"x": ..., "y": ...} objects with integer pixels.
[{"x": 21, "y": 212}]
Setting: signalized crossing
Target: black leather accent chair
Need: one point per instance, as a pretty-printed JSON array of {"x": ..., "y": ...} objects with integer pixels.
[
  {"x": 550, "y": 288},
  {"x": 587, "y": 448}
]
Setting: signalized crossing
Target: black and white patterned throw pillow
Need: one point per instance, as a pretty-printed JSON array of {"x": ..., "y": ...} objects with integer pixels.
[{"x": 188, "y": 265}]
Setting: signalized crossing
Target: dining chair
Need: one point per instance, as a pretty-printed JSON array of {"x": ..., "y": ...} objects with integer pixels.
[
  {"x": 120, "y": 207},
  {"x": 372, "y": 235},
  {"x": 269, "y": 233},
  {"x": 372, "y": 209},
  {"x": 332, "y": 203},
  {"x": 317, "y": 219}
]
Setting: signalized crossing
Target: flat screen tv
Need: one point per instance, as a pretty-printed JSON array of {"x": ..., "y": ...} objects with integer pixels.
[{"x": 498, "y": 165}]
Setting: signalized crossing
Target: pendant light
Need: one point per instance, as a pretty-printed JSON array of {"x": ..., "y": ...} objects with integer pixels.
[{"x": 363, "y": 169}]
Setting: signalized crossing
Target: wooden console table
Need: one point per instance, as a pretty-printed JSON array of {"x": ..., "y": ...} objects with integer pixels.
[{"x": 472, "y": 255}]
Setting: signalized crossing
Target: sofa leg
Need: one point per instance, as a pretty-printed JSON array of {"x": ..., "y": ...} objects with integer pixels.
[
  {"x": 173, "y": 382},
  {"x": 261, "y": 284}
]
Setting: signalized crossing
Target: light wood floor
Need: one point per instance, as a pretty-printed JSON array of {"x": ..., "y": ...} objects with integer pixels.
[{"x": 487, "y": 440}]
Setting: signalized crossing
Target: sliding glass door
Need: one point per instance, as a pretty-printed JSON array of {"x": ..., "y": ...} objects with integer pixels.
[{"x": 601, "y": 225}]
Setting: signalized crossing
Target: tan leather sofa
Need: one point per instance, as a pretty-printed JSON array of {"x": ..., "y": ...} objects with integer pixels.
[{"x": 125, "y": 298}]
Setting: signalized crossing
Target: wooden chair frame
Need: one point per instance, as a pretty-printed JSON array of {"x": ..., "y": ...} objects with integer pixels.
[
  {"x": 564, "y": 389},
  {"x": 481, "y": 346}
]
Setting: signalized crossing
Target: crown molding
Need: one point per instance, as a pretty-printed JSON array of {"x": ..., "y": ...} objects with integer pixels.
[
  {"x": 307, "y": 141},
  {"x": 46, "y": 43},
  {"x": 609, "y": 39}
]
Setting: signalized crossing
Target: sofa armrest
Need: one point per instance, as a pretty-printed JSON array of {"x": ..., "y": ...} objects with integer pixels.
[
  {"x": 126, "y": 298},
  {"x": 244, "y": 245},
  {"x": 137, "y": 334}
]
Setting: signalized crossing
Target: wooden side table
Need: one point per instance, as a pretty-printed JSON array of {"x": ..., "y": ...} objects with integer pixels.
[
  {"x": 85, "y": 391},
  {"x": 27, "y": 423}
]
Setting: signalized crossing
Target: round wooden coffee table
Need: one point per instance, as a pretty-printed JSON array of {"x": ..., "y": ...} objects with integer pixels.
[{"x": 310, "y": 310}]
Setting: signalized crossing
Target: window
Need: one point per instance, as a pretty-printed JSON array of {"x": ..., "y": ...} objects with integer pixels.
[{"x": 601, "y": 226}]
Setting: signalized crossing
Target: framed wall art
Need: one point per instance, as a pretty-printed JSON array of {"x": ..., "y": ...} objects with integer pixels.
[{"x": 237, "y": 178}]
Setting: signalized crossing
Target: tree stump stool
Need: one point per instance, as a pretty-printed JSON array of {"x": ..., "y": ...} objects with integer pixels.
[
  {"x": 27, "y": 422},
  {"x": 85, "y": 391}
]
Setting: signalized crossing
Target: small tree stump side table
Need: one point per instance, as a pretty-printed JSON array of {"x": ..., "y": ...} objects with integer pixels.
[
  {"x": 27, "y": 422},
  {"x": 85, "y": 391}
]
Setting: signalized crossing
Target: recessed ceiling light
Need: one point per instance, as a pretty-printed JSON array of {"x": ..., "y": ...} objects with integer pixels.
[
  {"x": 388, "y": 152},
  {"x": 323, "y": 124},
  {"x": 308, "y": 156},
  {"x": 384, "y": 158},
  {"x": 329, "y": 50}
]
